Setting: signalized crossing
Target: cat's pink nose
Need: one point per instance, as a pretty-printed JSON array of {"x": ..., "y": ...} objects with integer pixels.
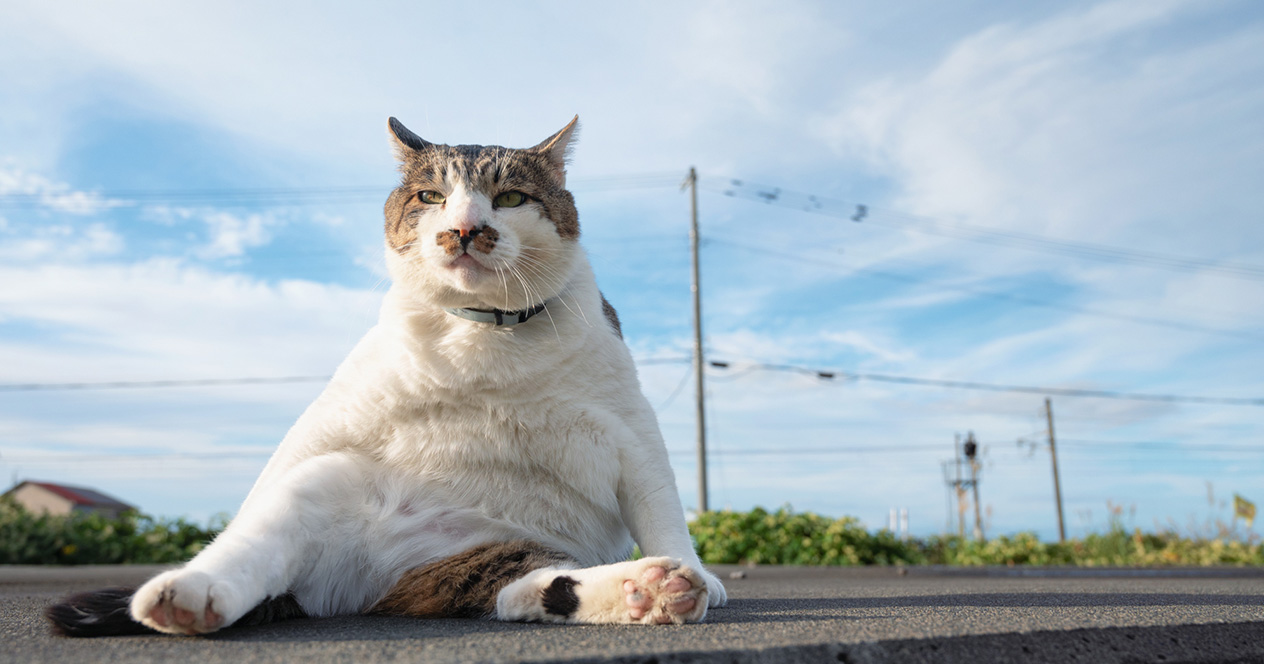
[
  {"x": 467, "y": 228},
  {"x": 467, "y": 233}
]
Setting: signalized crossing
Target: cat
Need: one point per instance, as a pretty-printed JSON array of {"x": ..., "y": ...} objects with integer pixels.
[{"x": 484, "y": 451}]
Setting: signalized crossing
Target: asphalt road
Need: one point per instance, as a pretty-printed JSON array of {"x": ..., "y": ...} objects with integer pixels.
[{"x": 774, "y": 615}]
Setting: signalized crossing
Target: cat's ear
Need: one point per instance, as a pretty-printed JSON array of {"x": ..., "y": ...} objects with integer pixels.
[
  {"x": 557, "y": 148},
  {"x": 405, "y": 140}
]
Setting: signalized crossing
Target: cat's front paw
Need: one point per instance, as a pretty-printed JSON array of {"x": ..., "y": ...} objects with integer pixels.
[
  {"x": 662, "y": 591},
  {"x": 716, "y": 594},
  {"x": 186, "y": 602}
]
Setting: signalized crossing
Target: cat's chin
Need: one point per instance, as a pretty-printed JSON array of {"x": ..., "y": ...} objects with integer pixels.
[{"x": 467, "y": 273}]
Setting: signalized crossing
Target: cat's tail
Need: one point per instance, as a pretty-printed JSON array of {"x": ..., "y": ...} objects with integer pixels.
[
  {"x": 97, "y": 613},
  {"x": 106, "y": 613}
]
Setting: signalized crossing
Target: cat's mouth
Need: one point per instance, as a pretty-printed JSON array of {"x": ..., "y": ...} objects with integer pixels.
[
  {"x": 466, "y": 261},
  {"x": 468, "y": 272}
]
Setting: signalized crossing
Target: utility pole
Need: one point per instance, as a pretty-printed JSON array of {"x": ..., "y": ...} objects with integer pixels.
[
  {"x": 972, "y": 452},
  {"x": 957, "y": 485},
  {"x": 1057, "y": 484},
  {"x": 698, "y": 364},
  {"x": 959, "y": 489}
]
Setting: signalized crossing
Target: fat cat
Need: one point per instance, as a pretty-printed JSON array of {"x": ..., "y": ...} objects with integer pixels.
[{"x": 485, "y": 450}]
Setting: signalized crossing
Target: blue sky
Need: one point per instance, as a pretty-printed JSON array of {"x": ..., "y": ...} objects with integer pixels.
[{"x": 1133, "y": 125}]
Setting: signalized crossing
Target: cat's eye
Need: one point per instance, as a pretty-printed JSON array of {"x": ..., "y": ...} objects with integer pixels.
[
  {"x": 431, "y": 197},
  {"x": 510, "y": 199}
]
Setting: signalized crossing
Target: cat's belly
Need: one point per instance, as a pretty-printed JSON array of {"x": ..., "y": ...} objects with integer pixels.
[
  {"x": 396, "y": 520},
  {"x": 425, "y": 491},
  {"x": 552, "y": 473},
  {"x": 464, "y": 509}
]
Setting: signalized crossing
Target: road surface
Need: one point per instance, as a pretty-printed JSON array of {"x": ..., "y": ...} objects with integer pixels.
[{"x": 775, "y": 614}]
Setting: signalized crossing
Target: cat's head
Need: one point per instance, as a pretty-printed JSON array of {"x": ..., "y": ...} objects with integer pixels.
[{"x": 479, "y": 226}]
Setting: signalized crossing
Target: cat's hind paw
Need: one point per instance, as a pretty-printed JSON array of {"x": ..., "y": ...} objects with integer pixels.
[
  {"x": 665, "y": 592},
  {"x": 185, "y": 602},
  {"x": 648, "y": 591}
]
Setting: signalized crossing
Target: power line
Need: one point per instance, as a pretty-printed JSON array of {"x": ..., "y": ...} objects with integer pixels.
[
  {"x": 160, "y": 456},
  {"x": 829, "y": 374},
  {"x": 715, "y": 364},
  {"x": 1157, "y": 445},
  {"x": 220, "y": 382},
  {"x": 818, "y": 450},
  {"x": 132, "y": 384},
  {"x": 891, "y": 276},
  {"x": 284, "y": 196},
  {"x": 974, "y": 233},
  {"x": 169, "y": 457}
]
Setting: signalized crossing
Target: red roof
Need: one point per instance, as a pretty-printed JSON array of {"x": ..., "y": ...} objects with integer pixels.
[
  {"x": 81, "y": 496},
  {"x": 65, "y": 492}
]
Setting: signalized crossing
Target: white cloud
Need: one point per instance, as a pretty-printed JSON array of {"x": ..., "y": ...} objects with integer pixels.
[
  {"x": 882, "y": 351},
  {"x": 231, "y": 234},
  {"x": 1088, "y": 125},
  {"x": 162, "y": 319},
  {"x": 40, "y": 192},
  {"x": 60, "y": 243},
  {"x": 753, "y": 54}
]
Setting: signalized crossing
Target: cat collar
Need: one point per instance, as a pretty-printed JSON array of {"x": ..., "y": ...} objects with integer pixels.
[{"x": 496, "y": 316}]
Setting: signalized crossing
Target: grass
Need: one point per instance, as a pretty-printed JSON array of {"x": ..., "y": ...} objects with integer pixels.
[
  {"x": 89, "y": 539},
  {"x": 782, "y": 537}
]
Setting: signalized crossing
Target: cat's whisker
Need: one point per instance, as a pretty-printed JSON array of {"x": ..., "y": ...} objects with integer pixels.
[
  {"x": 554, "y": 324},
  {"x": 505, "y": 283},
  {"x": 561, "y": 294},
  {"x": 534, "y": 296},
  {"x": 553, "y": 279},
  {"x": 522, "y": 280},
  {"x": 543, "y": 269}
]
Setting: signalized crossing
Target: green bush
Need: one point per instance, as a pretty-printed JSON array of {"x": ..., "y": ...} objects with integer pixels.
[
  {"x": 786, "y": 538},
  {"x": 782, "y": 537},
  {"x": 83, "y": 539}
]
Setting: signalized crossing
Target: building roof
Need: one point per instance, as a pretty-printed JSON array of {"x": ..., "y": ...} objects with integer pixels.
[{"x": 78, "y": 495}]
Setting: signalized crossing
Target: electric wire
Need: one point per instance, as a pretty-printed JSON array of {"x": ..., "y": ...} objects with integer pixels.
[
  {"x": 830, "y": 374},
  {"x": 742, "y": 189},
  {"x": 216, "y": 382},
  {"x": 142, "y": 384},
  {"x": 1019, "y": 299},
  {"x": 281, "y": 196},
  {"x": 825, "y": 374}
]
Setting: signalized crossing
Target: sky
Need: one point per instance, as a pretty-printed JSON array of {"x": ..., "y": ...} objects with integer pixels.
[{"x": 1061, "y": 195}]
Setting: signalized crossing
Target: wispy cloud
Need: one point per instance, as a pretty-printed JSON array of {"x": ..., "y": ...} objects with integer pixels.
[
  {"x": 19, "y": 186},
  {"x": 1080, "y": 125},
  {"x": 231, "y": 234}
]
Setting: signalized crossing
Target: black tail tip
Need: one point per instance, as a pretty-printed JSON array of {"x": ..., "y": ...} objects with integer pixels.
[{"x": 96, "y": 613}]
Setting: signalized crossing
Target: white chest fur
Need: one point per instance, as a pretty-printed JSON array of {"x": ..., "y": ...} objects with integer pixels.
[{"x": 521, "y": 430}]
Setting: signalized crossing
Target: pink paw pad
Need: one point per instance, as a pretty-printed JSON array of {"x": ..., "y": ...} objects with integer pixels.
[
  {"x": 167, "y": 614},
  {"x": 662, "y": 596}
]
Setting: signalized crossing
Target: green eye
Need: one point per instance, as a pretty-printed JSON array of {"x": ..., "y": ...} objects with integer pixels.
[
  {"x": 431, "y": 197},
  {"x": 510, "y": 199}
]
